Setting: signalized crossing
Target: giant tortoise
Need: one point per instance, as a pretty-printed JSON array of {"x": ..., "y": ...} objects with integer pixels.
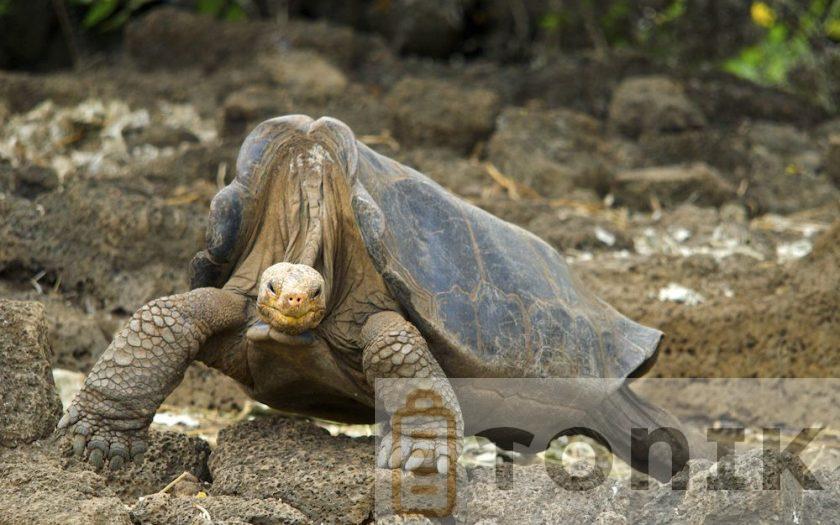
[{"x": 328, "y": 265}]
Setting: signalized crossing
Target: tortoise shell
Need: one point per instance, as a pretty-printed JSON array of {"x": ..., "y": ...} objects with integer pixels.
[{"x": 473, "y": 284}]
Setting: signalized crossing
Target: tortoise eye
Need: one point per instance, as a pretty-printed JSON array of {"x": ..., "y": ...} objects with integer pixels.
[
  {"x": 317, "y": 292},
  {"x": 270, "y": 287}
]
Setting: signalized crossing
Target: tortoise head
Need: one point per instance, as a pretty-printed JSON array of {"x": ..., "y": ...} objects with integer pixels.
[{"x": 291, "y": 297}]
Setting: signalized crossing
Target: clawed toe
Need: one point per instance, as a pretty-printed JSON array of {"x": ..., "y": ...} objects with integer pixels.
[
  {"x": 415, "y": 454},
  {"x": 114, "y": 450},
  {"x": 415, "y": 460},
  {"x": 138, "y": 449},
  {"x": 116, "y": 462},
  {"x": 99, "y": 443},
  {"x": 96, "y": 458}
]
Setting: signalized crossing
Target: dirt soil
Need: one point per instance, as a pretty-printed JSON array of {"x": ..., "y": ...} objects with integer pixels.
[{"x": 701, "y": 205}]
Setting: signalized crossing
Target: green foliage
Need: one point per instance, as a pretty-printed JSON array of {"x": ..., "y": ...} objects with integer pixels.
[
  {"x": 4, "y": 6},
  {"x": 787, "y": 42},
  {"x": 614, "y": 22},
  {"x": 673, "y": 12},
  {"x": 108, "y": 15},
  {"x": 225, "y": 9},
  {"x": 552, "y": 21},
  {"x": 618, "y": 23},
  {"x": 659, "y": 31},
  {"x": 785, "y": 34},
  {"x": 832, "y": 22},
  {"x": 769, "y": 61}
]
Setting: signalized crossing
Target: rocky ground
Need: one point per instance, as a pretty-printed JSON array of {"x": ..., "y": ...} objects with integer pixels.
[
  {"x": 277, "y": 469},
  {"x": 700, "y": 204}
]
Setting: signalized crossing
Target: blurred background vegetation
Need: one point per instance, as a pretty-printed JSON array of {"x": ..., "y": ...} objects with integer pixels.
[{"x": 788, "y": 44}]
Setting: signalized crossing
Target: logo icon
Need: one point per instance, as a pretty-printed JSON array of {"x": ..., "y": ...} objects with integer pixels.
[{"x": 424, "y": 491}]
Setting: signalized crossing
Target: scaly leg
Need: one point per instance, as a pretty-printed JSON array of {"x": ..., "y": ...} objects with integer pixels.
[
  {"x": 394, "y": 349},
  {"x": 109, "y": 418}
]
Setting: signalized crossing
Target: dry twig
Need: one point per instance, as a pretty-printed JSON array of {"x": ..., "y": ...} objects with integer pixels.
[
  {"x": 172, "y": 483},
  {"x": 514, "y": 189}
]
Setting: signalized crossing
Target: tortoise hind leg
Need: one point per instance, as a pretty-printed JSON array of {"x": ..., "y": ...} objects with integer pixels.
[
  {"x": 109, "y": 418},
  {"x": 394, "y": 349}
]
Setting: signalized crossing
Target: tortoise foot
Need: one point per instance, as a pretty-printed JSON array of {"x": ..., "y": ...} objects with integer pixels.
[
  {"x": 421, "y": 448},
  {"x": 102, "y": 440}
]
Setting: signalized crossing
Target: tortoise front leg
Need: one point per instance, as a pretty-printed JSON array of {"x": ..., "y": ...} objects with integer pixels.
[
  {"x": 394, "y": 349},
  {"x": 109, "y": 418}
]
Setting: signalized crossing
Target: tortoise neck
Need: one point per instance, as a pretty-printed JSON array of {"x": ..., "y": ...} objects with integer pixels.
[{"x": 313, "y": 193}]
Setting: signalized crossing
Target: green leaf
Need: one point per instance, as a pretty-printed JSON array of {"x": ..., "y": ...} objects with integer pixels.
[
  {"x": 832, "y": 29},
  {"x": 777, "y": 34},
  {"x": 100, "y": 10},
  {"x": 551, "y": 21},
  {"x": 117, "y": 21},
  {"x": 674, "y": 11},
  {"x": 832, "y": 21},
  {"x": 235, "y": 13},
  {"x": 741, "y": 68},
  {"x": 210, "y": 7}
]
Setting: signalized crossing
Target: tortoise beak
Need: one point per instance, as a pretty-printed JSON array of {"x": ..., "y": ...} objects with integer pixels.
[
  {"x": 291, "y": 311},
  {"x": 291, "y": 297}
]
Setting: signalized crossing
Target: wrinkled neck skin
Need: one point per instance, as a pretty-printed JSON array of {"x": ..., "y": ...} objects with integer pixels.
[
  {"x": 305, "y": 207},
  {"x": 310, "y": 167},
  {"x": 325, "y": 214}
]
